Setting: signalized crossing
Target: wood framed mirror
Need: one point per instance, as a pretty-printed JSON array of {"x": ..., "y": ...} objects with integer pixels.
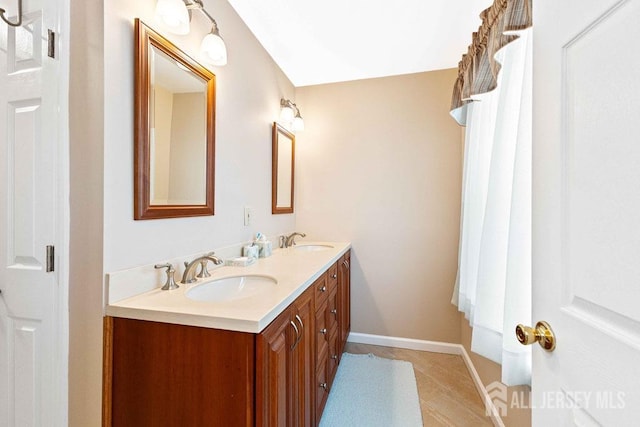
[
  {"x": 174, "y": 154},
  {"x": 283, "y": 170}
]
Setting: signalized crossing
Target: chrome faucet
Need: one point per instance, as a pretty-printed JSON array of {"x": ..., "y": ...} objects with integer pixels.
[
  {"x": 189, "y": 275},
  {"x": 290, "y": 240}
]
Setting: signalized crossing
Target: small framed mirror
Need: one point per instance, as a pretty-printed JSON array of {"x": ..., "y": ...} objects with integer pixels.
[
  {"x": 174, "y": 130},
  {"x": 283, "y": 168}
]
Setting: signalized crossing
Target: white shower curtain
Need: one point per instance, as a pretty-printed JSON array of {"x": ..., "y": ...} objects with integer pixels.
[{"x": 493, "y": 287}]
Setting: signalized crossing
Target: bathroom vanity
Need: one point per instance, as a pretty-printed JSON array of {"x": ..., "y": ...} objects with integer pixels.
[{"x": 263, "y": 358}]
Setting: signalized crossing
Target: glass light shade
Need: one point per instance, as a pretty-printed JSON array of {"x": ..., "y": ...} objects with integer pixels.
[
  {"x": 286, "y": 114},
  {"x": 214, "y": 50},
  {"x": 298, "y": 123},
  {"x": 173, "y": 15}
]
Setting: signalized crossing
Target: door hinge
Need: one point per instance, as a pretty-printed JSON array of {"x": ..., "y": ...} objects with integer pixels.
[
  {"x": 51, "y": 44},
  {"x": 51, "y": 258}
]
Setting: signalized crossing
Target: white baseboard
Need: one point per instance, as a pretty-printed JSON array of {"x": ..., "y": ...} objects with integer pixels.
[
  {"x": 408, "y": 343},
  {"x": 434, "y": 347},
  {"x": 484, "y": 395}
]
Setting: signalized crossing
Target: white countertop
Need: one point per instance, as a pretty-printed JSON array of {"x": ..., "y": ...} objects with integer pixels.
[{"x": 294, "y": 270}]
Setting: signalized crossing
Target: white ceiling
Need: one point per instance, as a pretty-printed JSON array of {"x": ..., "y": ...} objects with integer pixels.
[{"x": 327, "y": 41}]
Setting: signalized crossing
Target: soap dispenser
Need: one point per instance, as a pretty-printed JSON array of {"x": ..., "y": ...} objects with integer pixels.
[{"x": 264, "y": 246}]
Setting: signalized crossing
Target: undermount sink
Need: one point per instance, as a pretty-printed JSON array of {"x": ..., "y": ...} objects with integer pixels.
[
  {"x": 231, "y": 288},
  {"x": 312, "y": 248}
]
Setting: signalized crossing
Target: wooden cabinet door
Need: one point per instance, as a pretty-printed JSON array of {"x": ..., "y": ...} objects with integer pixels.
[
  {"x": 285, "y": 367},
  {"x": 303, "y": 361},
  {"x": 273, "y": 382},
  {"x": 344, "y": 299},
  {"x": 161, "y": 374}
]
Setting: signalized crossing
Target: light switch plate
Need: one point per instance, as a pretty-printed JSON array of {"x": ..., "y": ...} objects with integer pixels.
[{"x": 248, "y": 213}]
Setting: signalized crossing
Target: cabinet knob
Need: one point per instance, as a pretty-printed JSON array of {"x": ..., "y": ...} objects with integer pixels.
[
  {"x": 334, "y": 311},
  {"x": 334, "y": 357},
  {"x": 334, "y": 276},
  {"x": 323, "y": 330},
  {"x": 323, "y": 385},
  {"x": 323, "y": 288}
]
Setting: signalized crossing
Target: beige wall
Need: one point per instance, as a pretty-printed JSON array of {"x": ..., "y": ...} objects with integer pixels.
[
  {"x": 86, "y": 101},
  {"x": 379, "y": 164}
]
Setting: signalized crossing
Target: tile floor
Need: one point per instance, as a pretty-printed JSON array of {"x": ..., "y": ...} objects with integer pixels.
[{"x": 448, "y": 396}]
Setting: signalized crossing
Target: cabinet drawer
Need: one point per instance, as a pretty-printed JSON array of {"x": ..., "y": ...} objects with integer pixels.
[
  {"x": 332, "y": 277},
  {"x": 332, "y": 312},
  {"x": 322, "y": 332},
  {"x": 333, "y": 357},
  {"x": 322, "y": 290},
  {"x": 322, "y": 388}
]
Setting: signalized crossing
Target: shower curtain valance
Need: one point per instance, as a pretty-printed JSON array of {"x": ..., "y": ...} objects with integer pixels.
[{"x": 478, "y": 69}]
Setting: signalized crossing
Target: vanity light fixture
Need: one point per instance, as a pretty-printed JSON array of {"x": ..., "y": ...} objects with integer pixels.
[
  {"x": 290, "y": 115},
  {"x": 173, "y": 14},
  {"x": 286, "y": 110},
  {"x": 298, "y": 123},
  {"x": 19, "y": 19},
  {"x": 176, "y": 16},
  {"x": 213, "y": 47}
]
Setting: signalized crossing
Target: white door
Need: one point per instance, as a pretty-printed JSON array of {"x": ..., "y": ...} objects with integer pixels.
[
  {"x": 586, "y": 211},
  {"x": 29, "y": 137}
]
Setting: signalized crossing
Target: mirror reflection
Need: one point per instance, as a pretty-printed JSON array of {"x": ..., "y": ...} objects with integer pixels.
[
  {"x": 178, "y": 133},
  {"x": 285, "y": 149},
  {"x": 282, "y": 170}
]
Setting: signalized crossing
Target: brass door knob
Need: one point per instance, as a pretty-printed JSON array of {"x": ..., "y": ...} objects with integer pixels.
[{"x": 542, "y": 334}]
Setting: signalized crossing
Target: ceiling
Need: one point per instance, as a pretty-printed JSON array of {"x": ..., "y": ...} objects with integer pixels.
[{"x": 328, "y": 41}]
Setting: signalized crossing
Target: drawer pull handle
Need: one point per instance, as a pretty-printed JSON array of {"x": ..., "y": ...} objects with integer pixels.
[
  {"x": 323, "y": 330},
  {"x": 301, "y": 324},
  {"x": 323, "y": 288},
  {"x": 298, "y": 333},
  {"x": 295, "y": 328},
  {"x": 323, "y": 385}
]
